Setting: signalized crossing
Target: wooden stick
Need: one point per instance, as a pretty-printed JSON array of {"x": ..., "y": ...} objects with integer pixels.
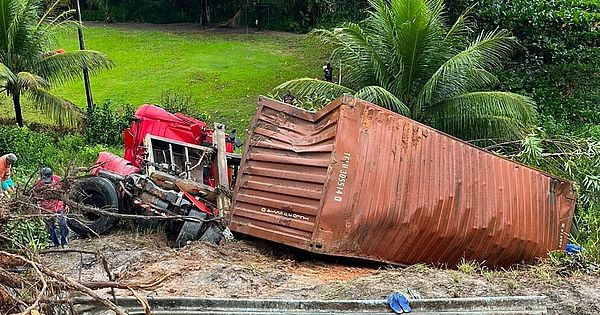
[
  {"x": 36, "y": 268},
  {"x": 79, "y": 287},
  {"x": 41, "y": 269},
  {"x": 95, "y": 285}
]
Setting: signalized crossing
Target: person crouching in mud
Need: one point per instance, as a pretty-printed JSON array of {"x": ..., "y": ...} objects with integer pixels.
[{"x": 55, "y": 208}]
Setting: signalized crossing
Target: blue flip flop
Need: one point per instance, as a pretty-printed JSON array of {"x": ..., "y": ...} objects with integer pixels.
[{"x": 398, "y": 303}]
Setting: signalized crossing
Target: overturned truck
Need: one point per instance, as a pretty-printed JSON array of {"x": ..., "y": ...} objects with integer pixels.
[
  {"x": 174, "y": 167},
  {"x": 356, "y": 180}
]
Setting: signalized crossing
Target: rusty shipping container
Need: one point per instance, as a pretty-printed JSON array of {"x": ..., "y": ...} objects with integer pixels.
[{"x": 357, "y": 180}]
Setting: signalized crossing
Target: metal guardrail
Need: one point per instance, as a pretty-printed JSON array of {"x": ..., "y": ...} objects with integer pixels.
[{"x": 524, "y": 305}]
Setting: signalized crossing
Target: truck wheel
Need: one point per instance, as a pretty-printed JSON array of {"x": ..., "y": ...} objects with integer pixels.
[
  {"x": 97, "y": 192},
  {"x": 189, "y": 230},
  {"x": 212, "y": 234}
]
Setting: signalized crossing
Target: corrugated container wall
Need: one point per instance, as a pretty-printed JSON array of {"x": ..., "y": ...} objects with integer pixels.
[{"x": 357, "y": 180}]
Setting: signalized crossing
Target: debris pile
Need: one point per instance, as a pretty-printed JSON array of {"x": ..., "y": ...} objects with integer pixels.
[{"x": 27, "y": 284}]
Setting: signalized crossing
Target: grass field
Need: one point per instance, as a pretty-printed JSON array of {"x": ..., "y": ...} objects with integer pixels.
[{"x": 224, "y": 73}]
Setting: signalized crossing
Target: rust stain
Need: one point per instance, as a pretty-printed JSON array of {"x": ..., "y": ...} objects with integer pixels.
[{"x": 359, "y": 181}]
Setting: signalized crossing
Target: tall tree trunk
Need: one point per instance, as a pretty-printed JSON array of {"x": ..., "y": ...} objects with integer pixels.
[
  {"x": 86, "y": 76},
  {"x": 107, "y": 16},
  {"x": 204, "y": 13},
  {"x": 17, "y": 103}
]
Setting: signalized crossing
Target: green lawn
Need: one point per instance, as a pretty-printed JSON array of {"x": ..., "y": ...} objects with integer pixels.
[{"x": 223, "y": 72}]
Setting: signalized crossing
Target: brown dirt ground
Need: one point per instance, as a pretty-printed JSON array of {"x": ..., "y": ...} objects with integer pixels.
[{"x": 256, "y": 269}]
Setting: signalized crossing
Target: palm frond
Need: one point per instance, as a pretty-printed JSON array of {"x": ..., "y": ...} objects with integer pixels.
[
  {"x": 366, "y": 55},
  {"x": 62, "y": 18},
  {"x": 308, "y": 87},
  {"x": 484, "y": 114},
  {"x": 7, "y": 74},
  {"x": 462, "y": 27},
  {"x": 468, "y": 69},
  {"x": 384, "y": 98},
  {"x": 30, "y": 81},
  {"x": 57, "y": 108},
  {"x": 6, "y": 16},
  {"x": 363, "y": 65},
  {"x": 48, "y": 12},
  {"x": 9, "y": 10},
  {"x": 419, "y": 31},
  {"x": 67, "y": 66}
]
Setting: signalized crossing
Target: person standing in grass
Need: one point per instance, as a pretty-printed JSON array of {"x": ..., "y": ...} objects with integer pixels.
[
  {"x": 55, "y": 208},
  {"x": 328, "y": 72}
]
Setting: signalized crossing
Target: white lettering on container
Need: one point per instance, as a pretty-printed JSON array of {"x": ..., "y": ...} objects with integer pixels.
[
  {"x": 341, "y": 179},
  {"x": 285, "y": 214}
]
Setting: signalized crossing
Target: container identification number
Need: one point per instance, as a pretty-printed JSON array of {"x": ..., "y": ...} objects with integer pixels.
[
  {"x": 341, "y": 180},
  {"x": 285, "y": 214}
]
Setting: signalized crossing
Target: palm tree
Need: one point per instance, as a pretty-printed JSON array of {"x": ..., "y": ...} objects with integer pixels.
[
  {"x": 404, "y": 57},
  {"x": 29, "y": 65}
]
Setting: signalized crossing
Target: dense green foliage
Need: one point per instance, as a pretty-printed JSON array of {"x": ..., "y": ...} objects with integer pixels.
[
  {"x": 404, "y": 57},
  {"x": 164, "y": 11},
  {"x": 558, "y": 64},
  {"x": 29, "y": 62},
  {"x": 29, "y": 233},
  {"x": 286, "y": 15},
  {"x": 35, "y": 150},
  {"x": 105, "y": 125}
]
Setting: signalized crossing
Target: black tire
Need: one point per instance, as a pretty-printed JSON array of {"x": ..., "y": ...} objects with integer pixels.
[
  {"x": 96, "y": 192},
  {"x": 190, "y": 230},
  {"x": 212, "y": 234}
]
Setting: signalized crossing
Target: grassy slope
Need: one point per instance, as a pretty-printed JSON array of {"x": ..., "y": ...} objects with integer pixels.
[{"x": 224, "y": 73}]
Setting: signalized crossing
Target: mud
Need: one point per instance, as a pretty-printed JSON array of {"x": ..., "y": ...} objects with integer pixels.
[{"x": 256, "y": 269}]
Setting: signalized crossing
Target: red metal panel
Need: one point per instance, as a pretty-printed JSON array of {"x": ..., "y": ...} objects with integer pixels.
[
  {"x": 114, "y": 164},
  {"x": 376, "y": 185},
  {"x": 158, "y": 122}
]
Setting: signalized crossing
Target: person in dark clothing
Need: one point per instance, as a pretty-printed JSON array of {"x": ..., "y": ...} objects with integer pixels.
[
  {"x": 55, "y": 208},
  {"x": 328, "y": 72},
  {"x": 288, "y": 98}
]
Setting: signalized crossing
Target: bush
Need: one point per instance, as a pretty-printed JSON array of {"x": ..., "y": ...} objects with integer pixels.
[
  {"x": 182, "y": 102},
  {"x": 31, "y": 148},
  {"x": 35, "y": 150},
  {"x": 29, "y": 233},
  {"x": 558, "y": 65},
  {"x": 105, "y": 125}
]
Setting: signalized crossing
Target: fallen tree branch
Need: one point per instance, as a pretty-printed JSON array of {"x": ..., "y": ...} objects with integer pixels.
[
  {"x": 42, "y": 270},
  {"x": 109, "y": 212},
  {"x": 36, "y": 268},
  {"x": 142, "y": 301},
  {"x": 95, "y": 285},
  {"x": 97, "y": 254},
  {"x": 79, "y": 287}
]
